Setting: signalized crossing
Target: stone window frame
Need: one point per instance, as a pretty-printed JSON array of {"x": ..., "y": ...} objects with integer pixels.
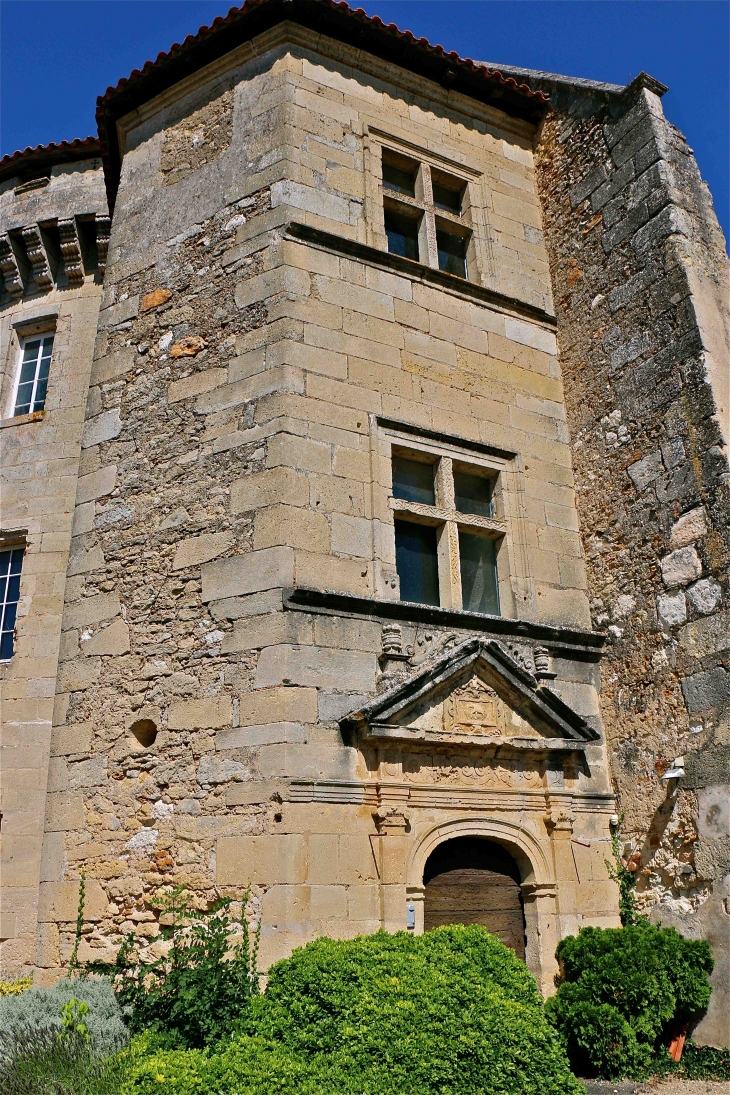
[
  {"x": 472, "y": 221},
  {"x": 22, "y": 328},
  {"x": 507, "y": 524}
]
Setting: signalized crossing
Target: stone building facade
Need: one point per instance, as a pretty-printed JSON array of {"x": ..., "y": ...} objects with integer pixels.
[{"x": 400, "y": 538}]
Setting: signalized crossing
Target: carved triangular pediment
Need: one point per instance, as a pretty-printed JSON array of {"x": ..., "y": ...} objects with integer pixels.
[{"x": 476, "y": 693}]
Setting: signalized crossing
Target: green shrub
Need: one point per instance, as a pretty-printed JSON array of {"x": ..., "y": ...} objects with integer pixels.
[
  {"x": 45, "y": 1064},
  {"x": 57, "y": 1061},
  {"x": 197, "y": 991},
  {"x": 621, "y": 990},
  {"x": 453, "y": 1012},
  {"x": 38, "y": 1010}
]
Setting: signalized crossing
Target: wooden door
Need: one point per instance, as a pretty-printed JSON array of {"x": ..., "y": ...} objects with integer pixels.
[{"x": 475, "y": 882}]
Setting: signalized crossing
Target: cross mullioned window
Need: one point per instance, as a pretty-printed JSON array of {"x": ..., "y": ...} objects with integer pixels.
[
  {"x": 425, "y": 213},
  {"x": 446, "y": 534},
  {"x": 35, "y": 363},
  {"x": 11, "y": 563}
]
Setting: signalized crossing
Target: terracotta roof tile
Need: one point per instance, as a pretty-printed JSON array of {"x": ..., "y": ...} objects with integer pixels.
[{"x": 44, "y": 156}]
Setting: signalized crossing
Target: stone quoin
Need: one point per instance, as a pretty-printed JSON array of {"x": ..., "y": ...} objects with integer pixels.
[{"x": 365, "y": 516}]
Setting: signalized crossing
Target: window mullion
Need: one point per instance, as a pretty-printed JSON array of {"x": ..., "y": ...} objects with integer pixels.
[
  {"x": 429, "y": 221},
  {"x": 448, "y": 561},
  {"x": 445, "y": 483},
  {"x": 36, "y": 372}
]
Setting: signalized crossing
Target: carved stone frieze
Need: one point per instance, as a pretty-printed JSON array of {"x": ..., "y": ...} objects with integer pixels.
[
  {"x": 37, "y": 256},
  {"x": 71, "y": 251},
  {"x": 103, "y": 229},
  {"x": 9, "y": 269},
  {"x": 429, "y": 644},
  {"x": 463, "y": 770}
]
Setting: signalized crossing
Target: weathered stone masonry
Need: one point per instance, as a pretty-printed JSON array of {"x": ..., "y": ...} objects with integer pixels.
[
  {"x": 640, "y": 278},
  {"x": 54, "y": 225},
  {"x": 241, "y": 695}
]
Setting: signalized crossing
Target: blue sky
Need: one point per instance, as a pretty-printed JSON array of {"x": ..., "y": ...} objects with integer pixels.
[{"x": 58, "y": 55}]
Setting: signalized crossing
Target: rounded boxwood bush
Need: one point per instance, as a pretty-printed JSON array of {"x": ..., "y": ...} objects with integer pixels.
[
  {"x": 452, "y": 1012},
  {"x": 622, "y": 991}
]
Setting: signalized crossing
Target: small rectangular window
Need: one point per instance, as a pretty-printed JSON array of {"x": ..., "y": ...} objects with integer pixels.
[
  {"x": 35, "y": 364},
  {"x": 451, "y": 252},
  {"x": 473, "y": 494},
  {"x": 413, "y": 481},
  {"x": 402, "y": 233},
  {"x": 479, "y": 582},
  {"x": 11, "y": 563},
  {"x": 445, "y": 197},
  {"x": 402, "y": 181},
  {"x": 416, "y": 561}
]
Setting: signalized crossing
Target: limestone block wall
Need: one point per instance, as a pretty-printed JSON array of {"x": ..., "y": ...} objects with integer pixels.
[
  {"x": 45, "y": 288},
  {"x": 255, "y": 344},
  {"x": 640, "y": 277}
]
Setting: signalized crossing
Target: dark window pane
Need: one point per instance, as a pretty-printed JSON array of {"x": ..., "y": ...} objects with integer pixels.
[
  {"x": 22, "y": 404},
  {"x": 402, "y": 233},
  {"x": 10, "y": 563},
  {"x": 479, "y": 588},
  {"x": 27, "y": 371},
  {"x": 446, "y": 198},
  {"x": 413, "y": 481},
  {"x": 416, "y": 563},
  {"x": 9, "y": 615},
  {"x": 31, "y": 350},
  {"x": 473, "y": 493},
  {"x": 395, "y": 178},
  {"x": 40, "y": 395},
  {"x": 452, "y": 252}
]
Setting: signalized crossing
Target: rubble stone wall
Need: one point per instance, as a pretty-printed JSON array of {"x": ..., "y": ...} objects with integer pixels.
[
  {"x": 39, "y": 456},
  {"x": 640, "y": 278}
]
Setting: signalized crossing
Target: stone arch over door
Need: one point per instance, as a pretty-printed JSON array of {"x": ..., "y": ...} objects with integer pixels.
[
  {"x": 472, "y": 880},
  {"x": 537, "y": 884}
]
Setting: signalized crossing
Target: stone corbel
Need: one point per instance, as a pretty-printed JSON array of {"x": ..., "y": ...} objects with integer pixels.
[
  {"x": 10, "y": 269},
  {"x": 37, "y": 257},
  {"x": 391, "y": 820},
  {"x": 103, "y": 230},
  {"x": 71, "y": 251},
  {"x": 560, "y": 822}
]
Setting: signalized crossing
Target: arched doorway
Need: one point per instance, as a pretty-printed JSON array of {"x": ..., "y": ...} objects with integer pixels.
[{"x": 471, "y": 880}]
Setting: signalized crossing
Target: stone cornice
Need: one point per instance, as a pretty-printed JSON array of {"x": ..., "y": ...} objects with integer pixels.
[
  {"x": 500, "y": 302},
  {"x": 563, "y": 642}
]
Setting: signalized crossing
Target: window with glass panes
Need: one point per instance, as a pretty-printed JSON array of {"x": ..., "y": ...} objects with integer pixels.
[
  {"x": 425, "y": 214},
  {"x": 35, "y": 363},
  {"x": 447, "y": 536},
  {"x": 10, "y": 566}
]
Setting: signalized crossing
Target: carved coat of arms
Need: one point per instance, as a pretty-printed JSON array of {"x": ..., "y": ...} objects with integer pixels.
[{"x": 474, "y": 709}]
